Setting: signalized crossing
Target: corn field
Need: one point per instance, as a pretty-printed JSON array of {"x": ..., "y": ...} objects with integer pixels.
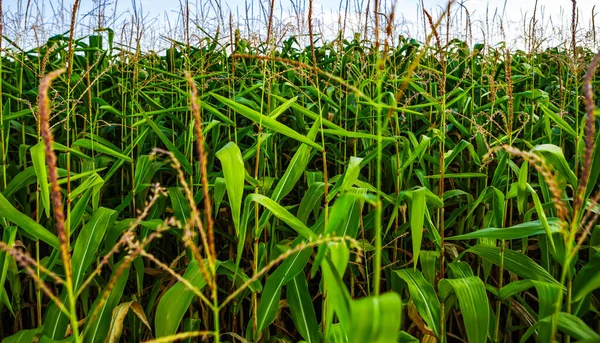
[{"x": 358, "y": 190}]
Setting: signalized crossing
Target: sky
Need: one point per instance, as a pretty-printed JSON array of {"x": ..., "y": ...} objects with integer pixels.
[{"x": 553, "y": 16}]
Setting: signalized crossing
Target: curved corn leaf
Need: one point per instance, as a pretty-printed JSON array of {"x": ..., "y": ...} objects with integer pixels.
[
  {"x": 473, "y": 302},
  {"x": 343, "y": 221},
  {"x": 180, "y": 204},
  {"x": 278, "y": 211},
  {"x": 311, "y": 199},
  {"x": 514, "y": 262},
  {"x": 569, "y": 324},
  {"x": 424, "y": 297},
  {"x": 98, "y": 147},
  {"x": 29, "y": 226},
  {"x": 348, "y": 178},
  {"x": 523, "y": 230},
  {"x": 265, "y": 120},
  {"x": 88, "y": 242},
  {"x": 86, "y": 246},
  {"x": 376, "y": 318},
  {"x": 23, "y": 336},
  {"x": 175, "y": 302},
  {"x": 417, "y": 217},
  {"x": 118, "y": 316},
  {"x": 269, "y": 301},
  {"x": 234, "y": 172},
  {"x": 588, "y": 279},
  {"x": 555, "y": 157},
  {"x": 38, "y": 157},
  {"x": 337, "y": 297}
]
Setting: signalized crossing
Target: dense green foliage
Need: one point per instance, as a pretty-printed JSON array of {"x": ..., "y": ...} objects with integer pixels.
[{"x": 448, "y": 232}]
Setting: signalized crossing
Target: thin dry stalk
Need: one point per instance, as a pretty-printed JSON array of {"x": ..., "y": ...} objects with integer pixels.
[
  {"x": 188, "y": 234},
  {"x": 59, "y": 216},
  {"x": 310, "y": 32},
  {"x": 589, "y": 220},
  {"x": 589, "y": 131},
  {"x": 574, "y": 30},
  {"x": 71, "y": 36},
  {"x": 203, "y": 169},
  {"x": 44, "y": 117}
]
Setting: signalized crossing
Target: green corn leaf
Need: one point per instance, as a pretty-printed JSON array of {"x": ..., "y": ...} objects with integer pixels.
[
  {"x": 282, "y": 108},
  {"x": 555, "y": 157},
  {"x": 376, "y": 318},
  {"x": 424, "y": 297},
  {"x": 206, "y": 106},
  {"x": 522, "y": 187},
  {"x": 21, "y": 180},
  {"x": 94, "y": 181},
  {"x": 514, "y": 288},
  {"x": 185, "y": 164},
  {"x": 23, "y": 336},
  {"x": 278, "y": 211},
  {"x": 77, "y": 212},
  {"x": 228, "y": 268},
  {"x": 28, "y": 225},
  {"x": 175, "y": 302},
  {"x": 86, "y": 246},
  {"x": 405, "y": 337},
  {"x": 514, "y": 262},
  {"x": 296, "y": 167},
  {"x": 265, "y": 121},
  {"x": 337, "y": 297},
  {"x": 301, "y": 308},
  {"x": 144, "y": 170},
  {"x": 348, "y": 179},
  {"x": 96, "y": 329},
  {"x": 89, "y": 240},
  {"x": 234, "y": 172},
  {"x": 38, "y": 157},
  {"x": 569, "y": 324},
  {"x": 417, "y": 217},
  {"x": 559, "y": 121},
  {"x": 311, "y": 200},
  {"x": 179, "y": 203},
  {"x": 548, "y": 296},
  {"x": 473, "y": 302},
  {"x": 523, "y": 230},
  {"x": 269, "y": 301},
  {"x": 576, "y": 328},
  {"x": 588, "y": 279},
  {"x": 98, "y": 147},
  {"x": 219, "y": 190},
  {"x": 8, "y": 238},
  {"x": 343, "y": 221}
]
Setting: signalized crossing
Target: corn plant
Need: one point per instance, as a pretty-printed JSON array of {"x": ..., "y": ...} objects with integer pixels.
[{"x": 359, "y": 190}]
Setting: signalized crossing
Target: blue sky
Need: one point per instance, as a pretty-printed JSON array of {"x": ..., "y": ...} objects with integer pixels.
[{"x": 165, "y": 13}]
